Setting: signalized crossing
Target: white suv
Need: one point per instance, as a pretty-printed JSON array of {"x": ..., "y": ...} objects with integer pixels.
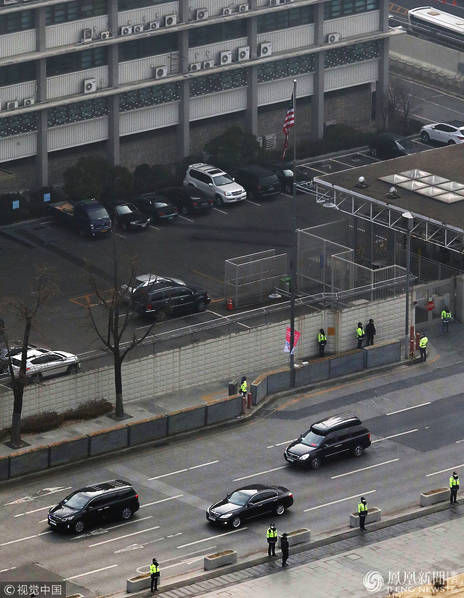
[{"x": 214, "y": 183}]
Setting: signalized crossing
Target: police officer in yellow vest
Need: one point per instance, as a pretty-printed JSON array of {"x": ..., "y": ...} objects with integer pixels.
[
  {"x": 154, "y": 574},
  {"x": 362, "y": 512},
  {"x": 423, "y": 347},
  {"x": 321, "y": 341},
  {"x": 445, "y": 318},
  {"x": 454, "y": 487},
  {"x": 360, "y": 334},
  {"x": 244, "y": 387},
  {"x": 271, "y": 536}
]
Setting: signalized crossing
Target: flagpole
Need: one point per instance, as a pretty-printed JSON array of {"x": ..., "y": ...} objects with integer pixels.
[{"x": 293, "y": 253}]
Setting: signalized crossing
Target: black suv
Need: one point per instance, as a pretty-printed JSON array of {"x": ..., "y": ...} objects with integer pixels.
[
  {"x": 169, "y": 298},
  {"x": 330, "y": 437},
  {"x": 259, "y": 182},
  {"x": 188, "y": 200},
  {"x": 94, "y": 505}
]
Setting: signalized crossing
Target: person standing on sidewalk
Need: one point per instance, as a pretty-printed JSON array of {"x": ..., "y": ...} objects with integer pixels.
[
  {"x": 244, "y": 387},
  {"x": 370, "y": 333},
  {"x": 321, "y": 341},
  {"x": 454, "y": 487},
  {"x": 154, "y": 574},
  {"x": 360, "y": 335},
  {"x": 423, "y": 347},
  {"x": 444, "y": 319},
  {"x": 271, "y": 536},
  {"x": 284, "y": 548},
  {"x": 362, "y": 512}
]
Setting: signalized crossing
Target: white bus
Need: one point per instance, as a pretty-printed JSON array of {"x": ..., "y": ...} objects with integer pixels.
[{"x": 437, "y": 25}]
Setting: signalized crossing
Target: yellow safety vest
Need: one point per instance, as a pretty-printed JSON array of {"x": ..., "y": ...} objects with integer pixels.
[
  {"x": 244, "y": 386},
  {"x": 359, "y": 332},
  {"x": 444, "y": 314},
  {"x": 423, "y": 342},
  {"x": 321, "y": 337},
  {"x": 271, "y": 533},
  {"x": 362, "y": 507},
  {"x": 453, "y": 481},
  {"x": 154, "y": 569}
]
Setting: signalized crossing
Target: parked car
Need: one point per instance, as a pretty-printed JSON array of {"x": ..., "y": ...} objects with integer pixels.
[
  {"x": 43, "y": 363},
  {"x": 88, "y": 216},
  {"x": 157, "y": 207},
  {"x": 259, "y": 182},
  {"x": 15, "y": 350},
  {"x": 284, "y": 172},
  {"x": 249, "y": 502},
  {"x": 386, "y": 146},
  {"x": 129, "y": 217},
  {"x": 214, "y": 183},
  {"x": 169, "y": 298},
  {"x": 334, "y": 436},
  {"x": 447, "y": 133},
  {"x": 188, "y": 200},
  {"x": 94, "y": 505},
  {"x": 146, "y": 280}
]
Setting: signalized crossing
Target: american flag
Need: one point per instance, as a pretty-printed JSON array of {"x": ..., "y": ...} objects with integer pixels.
[{"x": 289, "y": 122}]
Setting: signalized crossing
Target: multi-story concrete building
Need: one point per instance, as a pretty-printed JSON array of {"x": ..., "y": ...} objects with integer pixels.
[{"x": 144, "y": 80}]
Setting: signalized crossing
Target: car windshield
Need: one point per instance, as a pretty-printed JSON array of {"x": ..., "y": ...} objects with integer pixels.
[
  {"x": 239, "y": 498},
  {"x": 311, "y": 439},
  {"x": 77, "y": 501},
  {"x": 223, "y": 179},
  {"x": 98, "y": 213},
  {"x": 123, "y": 210}
]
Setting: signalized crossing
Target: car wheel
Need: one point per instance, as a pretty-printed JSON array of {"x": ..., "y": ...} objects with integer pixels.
[
  {"x": 36, "y": 378},
  {"x": 315, "y": 462},
  {"x": 161, "y": 315},
  {"x": 219, "y": 200},
  {"x": 358, "y": 450},
  {"x": 126, "y": 513},
  {"x": 236, "y": 522},
  {"x": 73, "y": 369},
  {"x": 201, "y": 306},
  {"x": 425, "y": 137},
  {"x": 451, "y": 142},
  {"x": 280, "y": 509},
  {"x": 79, "y": 526}
]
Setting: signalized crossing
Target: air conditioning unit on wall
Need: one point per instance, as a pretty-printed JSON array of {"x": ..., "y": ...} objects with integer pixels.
[
  {"x": 126, "y": 30},
  {"x": 86, "y": 35},
  {"x": 105, "y": 35},
  {"x": 90, "y": 85},
  {"x": 170, "y": 20},
  {"x": 264, "y": 49},
  {"x": 243, "y": 8},
  {"x": 208, "y": 64},
  {"x": 28, "y": 102},
  {"x": 243, "y": 53},
  {"x": 226, "y": 11},
  {"x": 154, "y": 25},
  {"x": 333, "y": 38},
  {"x": 160, "y": 71},
  {"x": 194, "y": 67},
  {"x": 201, "y": 14},
  {"x": 225, "y": 57},
  {"x": 138, "y": 28},
  {"x": 12, "y": 105}
]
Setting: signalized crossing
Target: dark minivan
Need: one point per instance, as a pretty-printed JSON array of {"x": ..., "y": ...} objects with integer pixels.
[
  {"x": 94, "y": 505},
  {"x": 168, "y": 298},
  {"x": 188, "y": 200},
  {"x": 332, "y": 437},
  {"x": 386, "y": 146},
  {"x": 258, "y": 181}
]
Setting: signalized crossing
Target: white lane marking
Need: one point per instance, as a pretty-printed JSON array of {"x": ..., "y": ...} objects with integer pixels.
[
  {"x": 459, "y": 441},
  {"x": 235, "y": 531},
  {"x": 107, "y": 529},
  {"x": 157, "y": 502},
  {"x": 140, "y": 531},
  {"x": 396, "y": 435},
  {"x": 428, "y": 475},
  {"x": 142, "y": 569},
  {"x": 164, "y": 475},
  {"x": 90, "y": 572},
  {"x": 46, "y": 492},
  {"x": 120, "y": 236},
  {"x": 341, "y": 475},
  {"x": 409, "y": 408},
  {"x": 86, "y": 353},
  {"x": 244, "y": 325},
  {"x": 422, "y": 117},
  {"x": 9, "y": 569},
  {"x": 220, "y": 211},
  {"x": 254, "y": 203},
  {"x": 155, "y": 227},
  {"x": 25, "y": 538},
  {"x": 140, "y": 546},
  {"x": 281, "y": 443},
  {"x": 252, "y": 475},
  {"x": 210, "y": 311},
  {"x": 334, "y": 502},
  {"x": 185, "y": 218},
  {"x": 34, "y": 511}
]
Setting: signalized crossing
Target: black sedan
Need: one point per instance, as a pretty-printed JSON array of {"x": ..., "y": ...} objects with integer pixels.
[
  {"x": 188, "y": 200},
  {"x": 249, "y": 502},
  {"x": 157, "y": 207},
  {"x": 129, "y": 217}
]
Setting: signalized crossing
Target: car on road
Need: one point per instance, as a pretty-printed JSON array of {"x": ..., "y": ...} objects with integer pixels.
[
  {"x": 332, "y": 437},
  {"x": 88, "y": 216},
  {"x": 214, "y": 183},
  {"x": 259, "y": 182},
  {"x": 249, "y": 502},
  {"x": 157, "y": 207},
  {"x": 14, "y": 350},
  {"x": 129, "y": 217},
  {"x": 146, "y": 280},
  {"x": 94, "y": 505},
  {"x": 188, "y": 200},
  {"x": 169, "y": 298},
  {"x": 43, "y": 363},
  {"x": 386, "y": 146},
  {"x": 447, "y": 133}
]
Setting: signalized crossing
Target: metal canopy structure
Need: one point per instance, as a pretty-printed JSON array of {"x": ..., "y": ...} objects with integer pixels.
[{"x": 356, "y": 204}]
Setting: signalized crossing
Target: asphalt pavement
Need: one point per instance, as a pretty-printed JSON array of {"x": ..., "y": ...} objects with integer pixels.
[{"x": 412, "y": 411}]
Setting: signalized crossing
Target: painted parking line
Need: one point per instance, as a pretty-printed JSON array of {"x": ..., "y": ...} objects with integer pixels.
[
  {"x": 157, "y": 502},
  {"x": 34, "y": 511},
  {"x": 253, "y": 203},
  {"x": 281, "y": 443},
  {"x": 25, "y": 538},
  {"x": 252, "y": 475},
  {"x": 334, "y": 502},
  {"x": 90, "y": 572},
  {"x": 165, "y": 475},
  {"x": 220, "y": 211},
  {"x": 235, "y": 531},
  {"x": 408, "y": 408},
  {"x": 341, "y": 475},
  {"x": 140, "y": 531},
  {"x": 185, "y": 218},
  {"x": 155, "y": 227},
  {"x": 428, "y": 475},
  {"x": 395, "y": 435}
]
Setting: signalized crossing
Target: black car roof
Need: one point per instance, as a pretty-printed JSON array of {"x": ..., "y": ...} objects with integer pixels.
[
  {"x": 257, "y": 487},
  {"x": 335, "y": 422},
  {"x": 103, "y": 487}
]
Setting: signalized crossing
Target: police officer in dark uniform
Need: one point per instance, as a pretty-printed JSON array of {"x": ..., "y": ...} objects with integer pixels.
[
  {"x": 362, "y": 512},
  {"x": 284, "y": 548},
  {"x": 154, "y": 574}
]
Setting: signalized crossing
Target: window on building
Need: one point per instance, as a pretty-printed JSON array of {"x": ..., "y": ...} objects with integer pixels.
[
  {"x": 131, "y": 4},
  {"x": 17, "y": 73},
  {"x": 150, "y": 46},
  {"x": 341, "y": 8},
  {"x": 17, "y": 21},
  {"x": 283, "y": 19},
  {"x": 73, "y": 11},
  {"x": 203, "y": 36},
  {"x": 76, "y": 61}
]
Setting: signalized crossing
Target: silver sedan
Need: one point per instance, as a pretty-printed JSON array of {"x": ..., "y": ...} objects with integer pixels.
[{"x": 42, "y": 363}]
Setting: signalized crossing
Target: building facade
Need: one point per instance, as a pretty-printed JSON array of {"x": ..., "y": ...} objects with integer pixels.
[{"x": 81, "y": 72}]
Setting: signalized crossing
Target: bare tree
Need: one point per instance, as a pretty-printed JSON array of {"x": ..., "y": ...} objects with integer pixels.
[
  {"x": 400, "y": 104},
  {"x": 26, "y": 310},
  {"x": 115, "y": 325}
]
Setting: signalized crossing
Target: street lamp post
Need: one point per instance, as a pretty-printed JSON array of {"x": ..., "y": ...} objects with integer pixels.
[
  {"x": 410, "y": 222},
  {"x": 293, "y": 257}
]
